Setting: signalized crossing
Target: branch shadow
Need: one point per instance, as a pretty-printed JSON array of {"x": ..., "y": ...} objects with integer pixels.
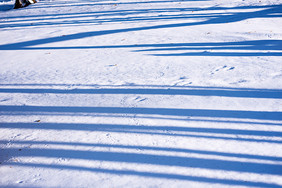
[
  {"x": 163, "y": 160},
  {"x": 192, "y": 132},
  {"x": 137, "y": 147},
  {"x": 152, "y": 175},
  {"x": 264, "y": 168},
  {"x": 149, "y": 159},
  {"x": 266, "y": 12}
]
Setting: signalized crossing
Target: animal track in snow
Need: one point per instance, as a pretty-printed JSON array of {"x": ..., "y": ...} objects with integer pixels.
[
  {"x": 222, "y": 68},
  {"x": 183, "y": 81},
  {"x": 140, "y": 99},
  {"x": 240, "y": 81}
]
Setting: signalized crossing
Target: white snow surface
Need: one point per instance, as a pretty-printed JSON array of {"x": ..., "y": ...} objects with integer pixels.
[{"x": 141, "y": 93}]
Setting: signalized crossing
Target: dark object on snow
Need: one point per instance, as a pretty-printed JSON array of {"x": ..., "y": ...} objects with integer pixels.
[{"x": 23, "y": 3}]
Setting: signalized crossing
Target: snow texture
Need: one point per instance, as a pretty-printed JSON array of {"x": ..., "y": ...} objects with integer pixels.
[{"x": 141, "y": 93}]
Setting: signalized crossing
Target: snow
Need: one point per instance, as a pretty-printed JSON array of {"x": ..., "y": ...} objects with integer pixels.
[{"x": 141, "y": 93}]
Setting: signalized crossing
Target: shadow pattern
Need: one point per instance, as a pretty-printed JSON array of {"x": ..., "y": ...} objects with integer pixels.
[
  {"x": 224, "y": 161},
  {"x": 240, "y": 48}
]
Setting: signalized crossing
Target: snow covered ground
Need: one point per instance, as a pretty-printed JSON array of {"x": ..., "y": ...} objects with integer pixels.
[{"x": 141, "y": 93}]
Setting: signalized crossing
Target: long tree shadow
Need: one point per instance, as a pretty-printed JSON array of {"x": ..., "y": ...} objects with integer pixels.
[
  {"x": 262, "y": 168},
  {"x": 192, "y": 132},
  {"x": 133, "y": 12},
  {"x": 50, "y": 18},
  {"x": 117, "y": 16},
  {"x": 273, "y": 11},
  {"x": 151, "y": 159},
  {"x": 130, "y": 85},
  {"x": 163, "y": 160},
  {"x": 259, "y": 115},
  {"x": 150, "y": 148},
  {"x": 251, "y": 48},
  {"x": 151, "y": 175},
  {"x": 240, "y": 48},
  {"x": 193, "y": 91},
  {"x": 151, "y": 90}
]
